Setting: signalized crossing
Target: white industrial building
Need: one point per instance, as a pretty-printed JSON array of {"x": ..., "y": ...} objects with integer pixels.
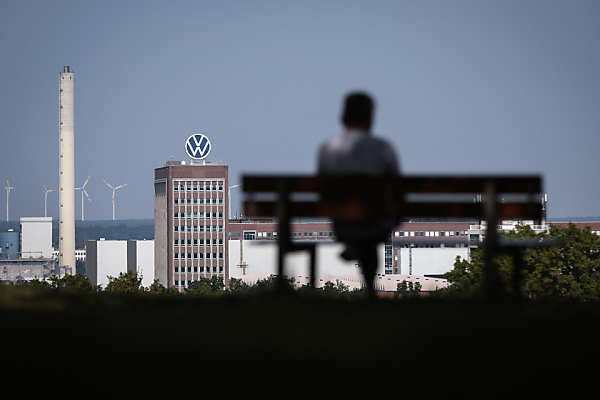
[
  {"x": 111, "y": 257},
  {"x": 36, "y": 237}
]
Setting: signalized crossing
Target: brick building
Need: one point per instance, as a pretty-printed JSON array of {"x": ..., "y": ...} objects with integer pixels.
[{"x": 190, "y": 222}]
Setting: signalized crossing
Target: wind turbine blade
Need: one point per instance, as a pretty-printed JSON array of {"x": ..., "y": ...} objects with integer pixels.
[
  {"x": 88, "y": 196},
  {"x": 108, "y": 185},
  {"x": 86, "y": 181},
  {"x": 119, "y": 187}
]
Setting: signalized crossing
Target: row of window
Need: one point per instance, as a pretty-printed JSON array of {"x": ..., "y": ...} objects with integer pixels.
[
  {"x": 189, "y": 282},
  {"x": 197, "y": 201},
  {"x": 429, "y": 233},
  {"x": 181, "y": 256},
  {"x": 195, "y": 269},
  {"x": 253, "y": 234},
  {"x": 197, "y": 228},
  {"x": 196, "y": 214},
  {"x": 200, "y": 187},
  {"x": 195, "y": 242}
]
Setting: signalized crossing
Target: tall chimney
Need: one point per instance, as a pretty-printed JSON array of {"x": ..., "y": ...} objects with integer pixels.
[{"x": 66, "y": 230}]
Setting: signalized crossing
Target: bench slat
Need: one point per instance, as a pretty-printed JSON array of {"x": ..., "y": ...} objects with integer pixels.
[
  {"x": 403, "y": 184},
  {"x": 361, "y": 211}
]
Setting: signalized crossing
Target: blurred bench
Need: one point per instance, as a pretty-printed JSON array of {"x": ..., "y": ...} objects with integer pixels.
[{"x": 365, "y": 198}]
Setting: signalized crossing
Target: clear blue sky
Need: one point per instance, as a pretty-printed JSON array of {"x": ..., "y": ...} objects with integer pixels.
[{"x": 461, "y": 87}]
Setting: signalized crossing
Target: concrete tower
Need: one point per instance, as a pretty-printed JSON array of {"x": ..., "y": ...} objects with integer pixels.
[{"x": 66, "y": 240}]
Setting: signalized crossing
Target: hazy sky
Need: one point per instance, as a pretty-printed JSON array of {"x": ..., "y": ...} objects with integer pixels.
[{"x": 461, "y": 87}]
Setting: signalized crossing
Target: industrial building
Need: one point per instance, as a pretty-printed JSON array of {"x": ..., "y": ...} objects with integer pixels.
[
  {"x": 27, "y": 254},
  {"x": 111, "y": 257},
  {"x": 194, "y": 238}
]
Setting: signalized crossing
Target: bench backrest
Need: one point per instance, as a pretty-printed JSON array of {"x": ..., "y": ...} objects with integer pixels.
[{"x": 365, "y": 198}]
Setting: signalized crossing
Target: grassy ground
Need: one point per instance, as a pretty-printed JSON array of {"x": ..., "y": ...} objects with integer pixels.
[{"x": 293, "y": 342}]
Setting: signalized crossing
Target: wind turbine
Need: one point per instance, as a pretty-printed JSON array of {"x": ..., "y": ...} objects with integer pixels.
[
  {"x": 88, "y": 196},
  {"x": 113, "y": 198},
  {"x": 8, "y": 187},
  {"x": 46, "y": 191}
]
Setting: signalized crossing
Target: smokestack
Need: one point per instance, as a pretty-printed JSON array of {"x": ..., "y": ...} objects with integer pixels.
[{"x": 66, "y": 230}]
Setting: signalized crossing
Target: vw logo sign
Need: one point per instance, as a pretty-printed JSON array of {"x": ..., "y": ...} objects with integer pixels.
[{"x": 197, "y": 146}]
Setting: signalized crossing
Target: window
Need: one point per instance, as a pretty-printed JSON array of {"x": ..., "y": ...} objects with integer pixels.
[
  {"x": 201, "y": 187},
  {"x": 189, "y": 201},
  {"x": 189, "y": 188},
  {"x": 176, "y": 201},
  {"x": 220, "y": 269},
  {"x": 195, "y": 214},
  {"x": 214, "y": 255},
  {"x": 201, "y": 228},
  {"x": 220, "y": 187},
  {"x": 220, "y": 228},
  {"x": 176, "y": 242},
  {"x": 220, "y": 201},
  {"x": 214, "y": 269},
  {"x": 207, "y": 255},
  {"x": 189, "y": 228},
  {"x": 195, "y": 187},
  {"x": 195, "y": 269},
  {"x": 176, "y": 228},
  {"x": 182, "y": 256},
  {"x": 250, "y": 235},
  {"x": 201, "y": 255},
  {"x": 214, "y": 215},
  {"x": 220, "y": 241},
  {"x": 176, "y": 215},
  {"x": 195, "y": 241},
  {"x": 221, "y": 255},
  {"x": 176, "y": 255},
  {"x": 320, "y": 234},
  {"x": 176, "y": 188},
  {"x": 176, "y": 269},
  {"x": 189, "y": 215},
  {"x": 189, "y": 241},
  {"x": 190, "y": 257},
  {"x": 202, "y": 215},
  {"x": 221, "y": 214},
  {"x": 195, "y": 256},
  {"x": 214, "y": 187}
]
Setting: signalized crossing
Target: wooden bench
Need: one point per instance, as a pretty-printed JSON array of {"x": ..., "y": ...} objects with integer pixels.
[{"x": 367, "y": 198}]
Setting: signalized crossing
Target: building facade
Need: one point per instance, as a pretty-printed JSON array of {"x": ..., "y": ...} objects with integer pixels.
[
  {"x": 111, "y": 257},
  {"x": 190, "y": 222}
]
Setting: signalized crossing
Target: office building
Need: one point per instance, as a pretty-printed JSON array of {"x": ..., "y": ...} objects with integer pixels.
[{"x": 190, "y": 222}]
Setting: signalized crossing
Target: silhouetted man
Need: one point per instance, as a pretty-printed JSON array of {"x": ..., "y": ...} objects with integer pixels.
[{"x": 356, "y": 152}]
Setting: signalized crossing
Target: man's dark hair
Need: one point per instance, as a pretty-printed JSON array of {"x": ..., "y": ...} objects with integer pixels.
[{"x": 358, "y": 109}]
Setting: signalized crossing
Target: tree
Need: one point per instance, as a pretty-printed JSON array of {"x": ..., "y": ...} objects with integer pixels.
[
  {"x": 128, "y": 282},
  {"x": 567, "y": 270},
  {"x": 77, "y": 282},
  {"x": 206, "y": 286},
  {"x": 238, "y": 287}
]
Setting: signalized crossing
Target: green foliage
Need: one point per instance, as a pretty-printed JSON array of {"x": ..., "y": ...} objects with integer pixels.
[
  {"x": 407, "y": 287},
  {"x": 128, "y": 282},
  {"x": 238, "y": 287},
  {"x": 77, "y": 282},
  {"x": 206, "y": 286},
  {"x": 568, "y": 270}
]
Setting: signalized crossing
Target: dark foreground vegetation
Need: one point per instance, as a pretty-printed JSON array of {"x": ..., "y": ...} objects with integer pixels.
[{"x": 305, "y": 343}]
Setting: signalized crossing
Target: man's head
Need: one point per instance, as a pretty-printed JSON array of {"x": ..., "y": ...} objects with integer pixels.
[{"x": 358, "y": 111}]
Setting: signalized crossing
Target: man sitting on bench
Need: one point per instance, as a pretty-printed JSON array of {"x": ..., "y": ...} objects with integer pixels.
[{"x": 356, "y": 152}]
